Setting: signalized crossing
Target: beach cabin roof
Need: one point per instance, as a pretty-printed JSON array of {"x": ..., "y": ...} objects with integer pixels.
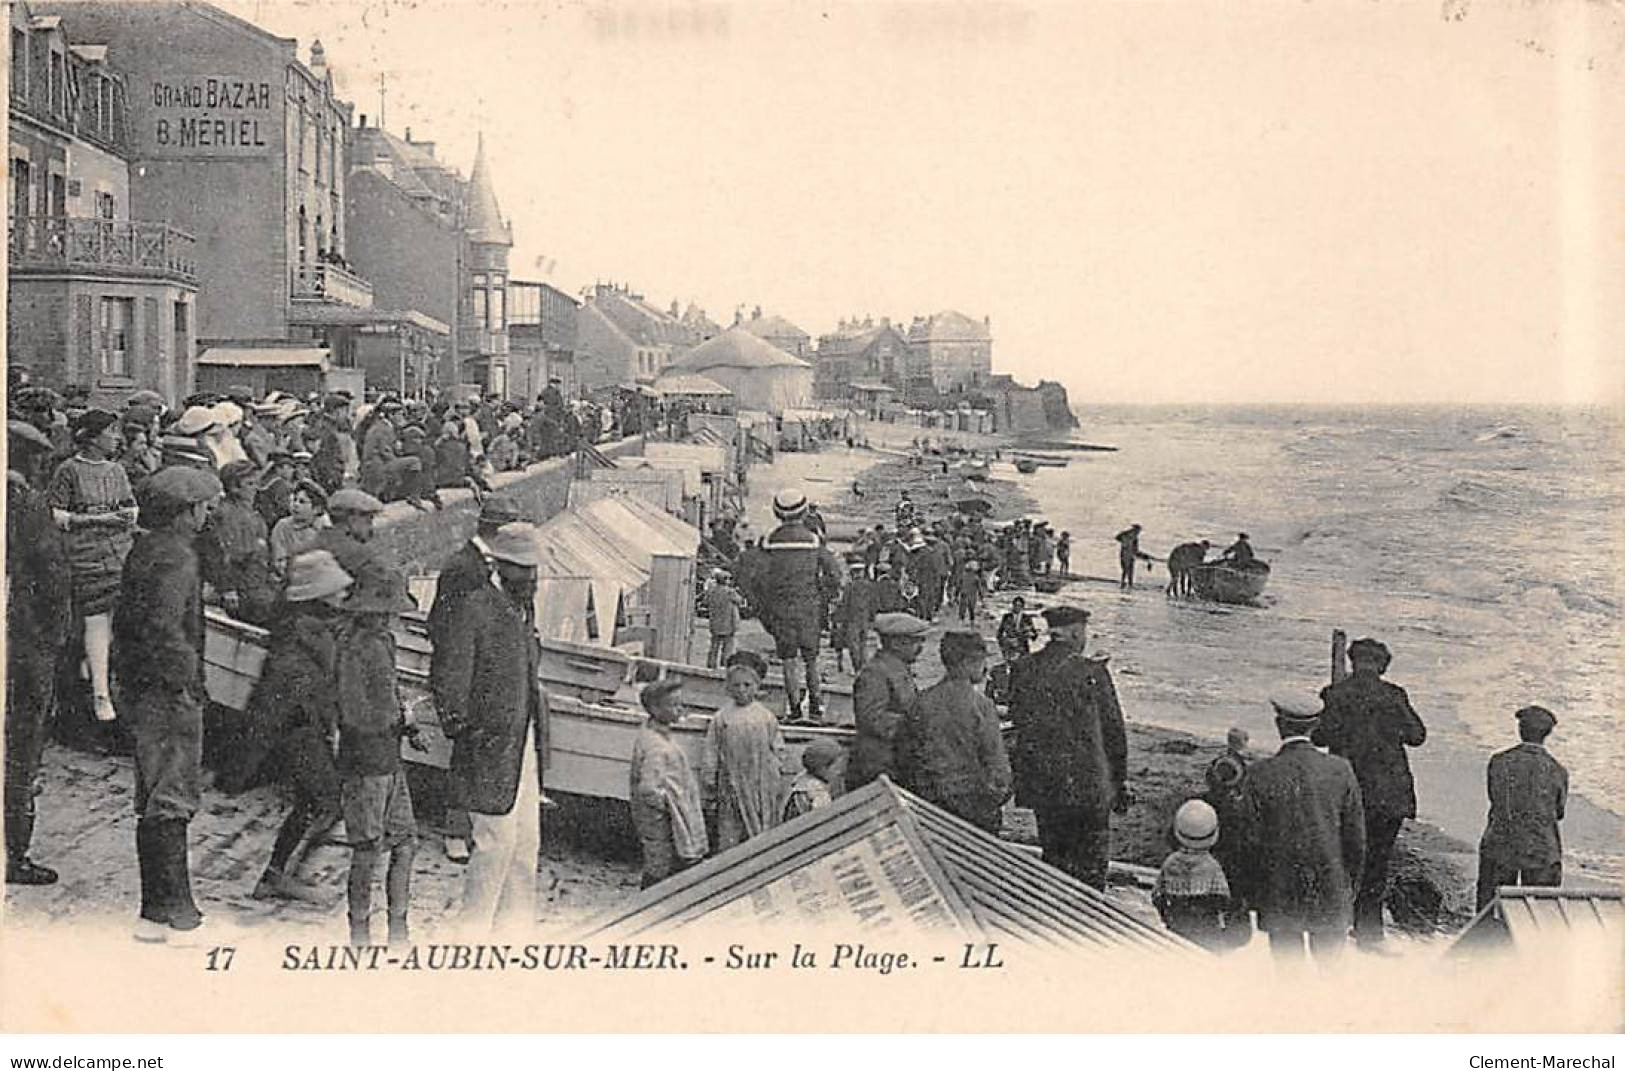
[
  {"x": 887, "y": 858},
  {"x": 709, "y": 457},
  {"x": 637, "y": 525},
  {"x": 1531, "y": 917}
]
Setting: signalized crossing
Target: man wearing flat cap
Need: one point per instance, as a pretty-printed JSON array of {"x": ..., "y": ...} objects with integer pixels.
[
  {"x": 483, "y": 673},
  {"x": 1302, "y": 810},
  {"x": 349, "y": 539},
  {"x": 1071, "y": 756},
  {"x": 1529, "y": 791},
  {"x": 883, "y": 695},
  {"x": 157, "y": 661},
  {"x": 1369, "y": 722}
]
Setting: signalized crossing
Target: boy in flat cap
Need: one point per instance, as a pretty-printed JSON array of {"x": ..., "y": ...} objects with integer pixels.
[
  {"x": 1529, "y": 791},
  {"x": 1369, "y": 722},
  {"x": 949, "y": 748},
  {"x": 883, "y": 695},
  {"x": 1071, "y": 757},
  {"x": 665, "y": 795},
  {"x": 157, "y": 663},
  {"x": 378, "y": 817}
]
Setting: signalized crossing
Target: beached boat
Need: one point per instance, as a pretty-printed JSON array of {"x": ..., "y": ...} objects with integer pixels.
[
  {"x": 1226, "y": 582},
  {"x": 592, "y": 702},
  {"x": 1047, "y": 461},
  {"x": 1026, "y": 466},
  {"x": 978, "y": 471}
]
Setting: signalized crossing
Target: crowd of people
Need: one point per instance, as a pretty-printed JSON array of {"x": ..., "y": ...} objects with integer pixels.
[
  {"x": 1301, "y": 840},
  {"x": 118, "y": 538}
]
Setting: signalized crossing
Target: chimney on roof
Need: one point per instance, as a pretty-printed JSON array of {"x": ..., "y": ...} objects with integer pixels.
[
  {"x": 409, "y": 134},
  {"x": 885, "y": 321},
  {"x": 363, "y": 120}
]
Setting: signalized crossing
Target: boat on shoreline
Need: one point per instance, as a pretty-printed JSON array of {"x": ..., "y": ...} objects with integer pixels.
[
  {"x": 1048, "y": 461},
  {"x": 594, "y": 714},
  {"x": 1026, "y": 466},
  {"x": 1227, "y": 582}
]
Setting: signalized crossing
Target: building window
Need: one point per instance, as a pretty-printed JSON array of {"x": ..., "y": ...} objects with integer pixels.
[
  {"x": 498, "y": 307},
  {"x": 19, "y": 64},
  {"x": 104, "y": 87},
  {"x": 106, "y": 208},
  {"x": 21, "y": 187},
  {"x": 482, "y": 307},
  {"x": 118, "y": 316},
  {"x": 58, "y": 87}
]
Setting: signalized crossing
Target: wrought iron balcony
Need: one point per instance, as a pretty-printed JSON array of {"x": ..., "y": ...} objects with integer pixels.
[
  {"x": 54, "y": 244},
  {"x": 329, "y": 282}
]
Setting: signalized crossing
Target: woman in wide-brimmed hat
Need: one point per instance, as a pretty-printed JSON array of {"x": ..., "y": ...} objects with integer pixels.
[{"x": 93, "y": 503}]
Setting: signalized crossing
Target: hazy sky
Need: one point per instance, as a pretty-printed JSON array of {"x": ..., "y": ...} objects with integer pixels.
[{"x": 1153, "y": 202}]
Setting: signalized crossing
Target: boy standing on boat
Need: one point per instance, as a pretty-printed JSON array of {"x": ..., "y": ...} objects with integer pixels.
[
  {"x": 664, "y": 793},
  {"x": 743, "y": 765}
]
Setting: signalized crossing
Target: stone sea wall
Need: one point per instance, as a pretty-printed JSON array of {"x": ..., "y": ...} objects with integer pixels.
[{"x": 421, "y": 541}]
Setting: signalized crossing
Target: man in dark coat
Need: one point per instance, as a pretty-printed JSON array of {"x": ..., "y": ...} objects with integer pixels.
[
  {"x": 883, "y": 695},
  {"x": 354, "y": 513},
  {"x": 1071, "y": 756},
  {"x": 1308, "y": 839},
  {"x": 1369, "y": 722},
  {"x": 483, "y": 673},
  {"x": 39, "y": 613},
  {"x": 467, "y": 570},
  {"x": 157, "y": 662},
  {"x": 1529, "y": 791},
  {"x": 800, "y": 574}
]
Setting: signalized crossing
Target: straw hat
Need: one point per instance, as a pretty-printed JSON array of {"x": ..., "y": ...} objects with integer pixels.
[
  {"x": 315, "y": 574},
  {"x": 789, "y": 504},
  {"x": 195, "y": 421}
]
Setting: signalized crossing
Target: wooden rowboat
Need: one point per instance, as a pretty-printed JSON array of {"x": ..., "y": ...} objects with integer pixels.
[
  {"x": 1228, "y": 583},
  {"x": 1048, "y": 461},
  {"x": 594, "y": 715},
  {"x": 1026, "y": 466}
]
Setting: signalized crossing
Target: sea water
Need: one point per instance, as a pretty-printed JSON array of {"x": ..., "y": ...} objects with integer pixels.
[{"x": 1483, "y": 546}]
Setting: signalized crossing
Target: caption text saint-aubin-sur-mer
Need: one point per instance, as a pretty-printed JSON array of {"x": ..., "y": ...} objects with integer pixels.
[{"x": 637, "y": 957}]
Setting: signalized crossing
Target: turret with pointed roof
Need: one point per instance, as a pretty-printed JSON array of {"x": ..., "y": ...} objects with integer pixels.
[{"x": 485, "y": 222}]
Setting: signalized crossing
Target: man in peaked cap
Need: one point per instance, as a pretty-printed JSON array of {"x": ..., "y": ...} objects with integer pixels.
[
  {"x": 1071, "y": 755},
  {"x": 1307, "y": 831},
  {"x": 157, "y": 661},
  {"x": 483, "y": 673},
  {"x": 1529, "y": 791},
  {"x": 39, "y": 613},
  {"x": 800, "y": 573},
  {"x": 883, "y": 695},
  {"x": 1369, "y": 722},
  {"x": 467, "y": 570}
]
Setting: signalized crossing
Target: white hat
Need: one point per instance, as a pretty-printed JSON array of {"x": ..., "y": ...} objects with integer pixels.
[
  {"x": 228, "y": 414},
  {"x": 1296, "y": 708},
  {"x": 195, "y": 421},
  {"x": 1196, "y": 824}
]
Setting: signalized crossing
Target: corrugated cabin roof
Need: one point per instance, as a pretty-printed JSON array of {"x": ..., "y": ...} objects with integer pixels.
[
  {"x": 1527, "y": 917},
  {"x": 914, "y": 864}
]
